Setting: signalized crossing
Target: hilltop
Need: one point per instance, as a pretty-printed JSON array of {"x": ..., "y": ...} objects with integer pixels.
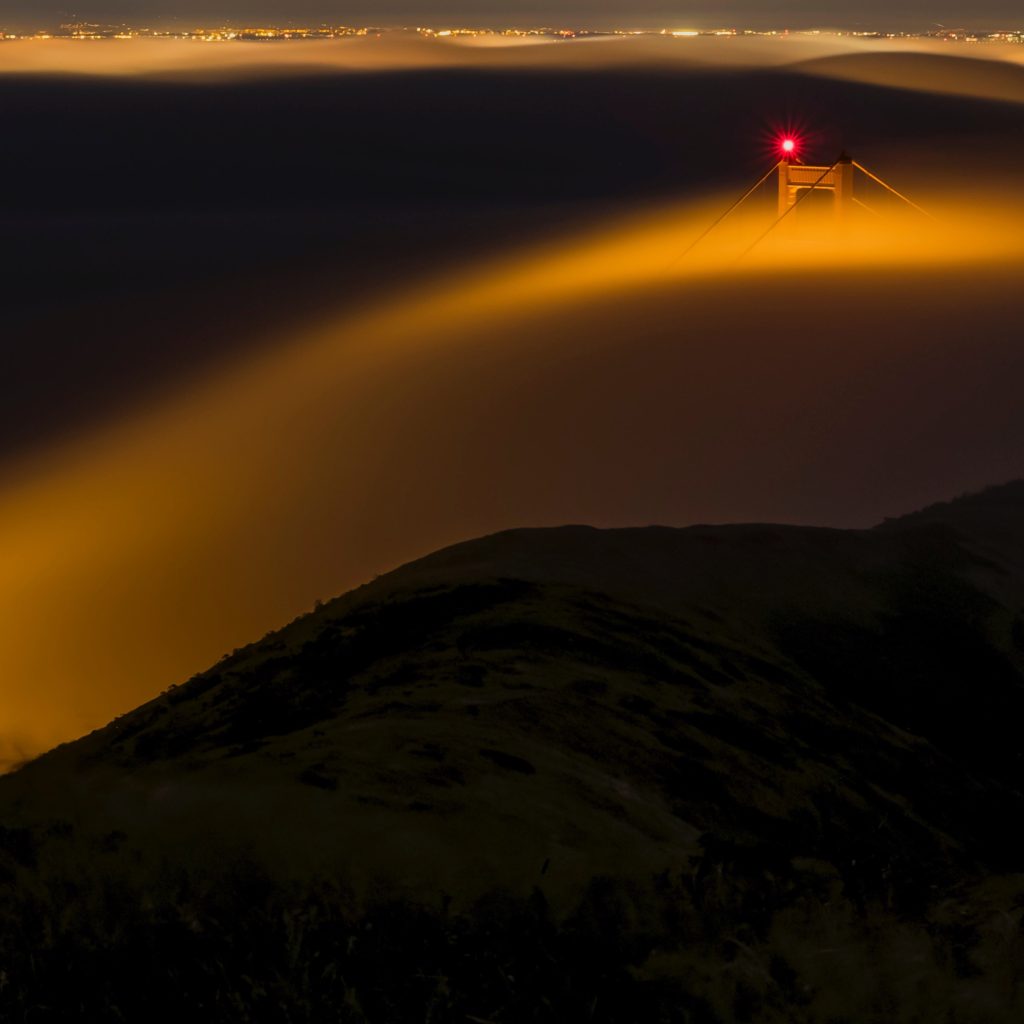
[{"x": 758, "y": 772}]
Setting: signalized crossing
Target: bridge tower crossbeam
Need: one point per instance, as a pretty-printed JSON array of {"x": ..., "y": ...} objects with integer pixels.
[{"x": 796, "y": 178}]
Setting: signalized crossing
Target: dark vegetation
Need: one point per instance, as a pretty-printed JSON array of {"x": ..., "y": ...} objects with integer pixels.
[
  {"x": 604, "y": 808},
  {"x": 738, "y": 934}
]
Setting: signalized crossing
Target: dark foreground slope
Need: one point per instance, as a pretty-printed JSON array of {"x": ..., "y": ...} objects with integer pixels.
[{"x": 715, "y": 774}]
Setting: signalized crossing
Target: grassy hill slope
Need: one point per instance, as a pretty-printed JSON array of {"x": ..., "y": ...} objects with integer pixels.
[{"x": 721, "y": 773}]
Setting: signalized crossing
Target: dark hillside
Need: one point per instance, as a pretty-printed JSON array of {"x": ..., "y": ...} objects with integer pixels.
[{"x": 714, "y": 774}]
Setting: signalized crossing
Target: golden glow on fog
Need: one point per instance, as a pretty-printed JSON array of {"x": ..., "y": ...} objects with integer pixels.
[
  {"x": 901, "y": 63},
  {"x": 135, "y": 556},
  {"x": 138, "y": 554}
]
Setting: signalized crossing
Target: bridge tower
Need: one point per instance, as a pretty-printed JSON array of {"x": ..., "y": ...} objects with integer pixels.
[{"x": 795, "y": 178}]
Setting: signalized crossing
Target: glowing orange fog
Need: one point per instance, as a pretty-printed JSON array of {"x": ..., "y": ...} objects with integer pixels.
[
  {"x": 608, "y": 379},
  {"x": 991, "y": 70}
]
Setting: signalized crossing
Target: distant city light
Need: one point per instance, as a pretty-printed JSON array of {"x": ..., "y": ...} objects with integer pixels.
[{"x": 82, "y": 30}]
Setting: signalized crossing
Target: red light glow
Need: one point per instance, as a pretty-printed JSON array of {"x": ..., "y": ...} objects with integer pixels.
[{"x": 788, "y": 138}]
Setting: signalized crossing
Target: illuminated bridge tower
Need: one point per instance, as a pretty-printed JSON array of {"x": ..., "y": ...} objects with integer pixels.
[{"x": 796, "y": 178}]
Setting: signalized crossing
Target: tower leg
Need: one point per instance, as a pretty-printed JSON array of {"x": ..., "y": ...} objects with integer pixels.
[
  {"x": 844, "y": 188},
  {"x": 783, "y": 187}
]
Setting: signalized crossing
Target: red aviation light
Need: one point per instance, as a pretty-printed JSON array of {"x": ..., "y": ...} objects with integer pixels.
[
  {"x": 787, "y": 140},
  {"x": 788, "y": 148}
]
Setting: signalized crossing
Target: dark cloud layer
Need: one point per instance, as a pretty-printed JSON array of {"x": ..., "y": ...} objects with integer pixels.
[{"x": 914, "y": 14}]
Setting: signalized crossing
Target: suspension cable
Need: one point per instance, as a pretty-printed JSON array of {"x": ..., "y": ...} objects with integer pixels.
[
  {"x": 865, "y": 206},
  {"x": 899, "y": 195},
  {"x": 711, "y": 227}
]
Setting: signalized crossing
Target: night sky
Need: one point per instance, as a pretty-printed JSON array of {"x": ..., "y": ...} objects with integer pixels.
[{"x": 911, "y": 14}]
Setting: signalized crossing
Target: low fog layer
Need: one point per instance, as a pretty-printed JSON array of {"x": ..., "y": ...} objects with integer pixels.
[
  {"x": 607, "y": 377},
  {"x": 397, "y": 51}
]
